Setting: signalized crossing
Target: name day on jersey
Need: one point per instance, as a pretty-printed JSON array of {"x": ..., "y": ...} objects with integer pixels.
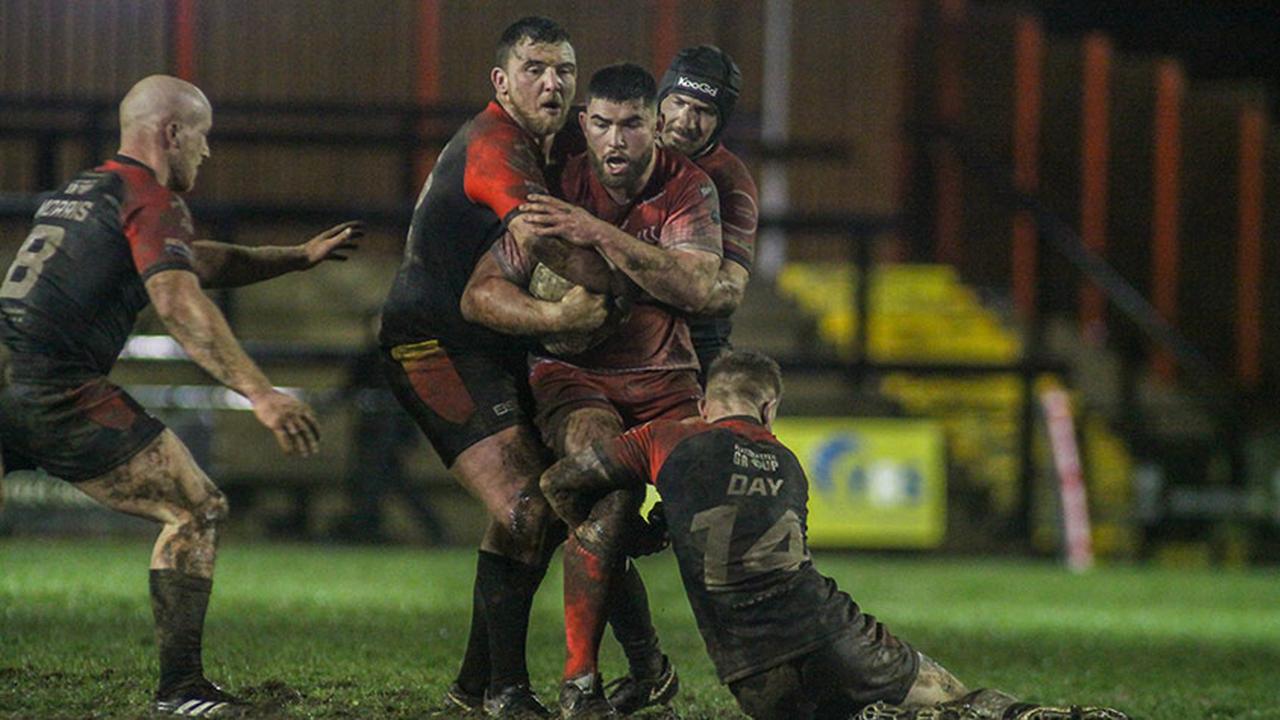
[{"x": 740, "y": 484}]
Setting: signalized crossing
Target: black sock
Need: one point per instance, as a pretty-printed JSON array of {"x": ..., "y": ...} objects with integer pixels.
[
  {"x": 632, "y": 624},
  {"x": 473, "y": 676},
  {"x": 179, "y": 602},
  {"x": 506, "y": 587}
]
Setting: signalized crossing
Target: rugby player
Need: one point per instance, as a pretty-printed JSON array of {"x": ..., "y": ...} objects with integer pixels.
[
  {"x": 108, "y": 242},
  {"x": 695, "y": 101},
  {"x": 655, "y": 216},
  {"x": 786, "y": 641},
  {"x": 465, "y": 384}
]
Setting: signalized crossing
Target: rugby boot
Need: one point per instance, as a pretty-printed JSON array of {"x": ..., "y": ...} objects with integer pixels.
[
  {"x": 583, "y": 699},
  {"x": 455, "y": 698},
  {"x": 515, "y": 702},
  {"x": 200, "y": 699},
  {"x": 1026, "y": 711},
  {"x": 883, "y": 711},
  {"x": 988, "y": 704},
  {"x": 982, "y": 704},
  {"x": 629, "y": 694}
]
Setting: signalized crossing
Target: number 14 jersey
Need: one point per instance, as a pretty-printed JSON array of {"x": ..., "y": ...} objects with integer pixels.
[{"x": 735, "y": 501}]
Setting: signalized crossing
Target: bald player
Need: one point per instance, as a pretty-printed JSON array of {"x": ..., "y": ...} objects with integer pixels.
[{"x": 104, "y": 245}]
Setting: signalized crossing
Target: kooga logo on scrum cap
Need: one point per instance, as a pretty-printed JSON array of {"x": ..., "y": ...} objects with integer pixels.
[{"x": 700, "y": 86}]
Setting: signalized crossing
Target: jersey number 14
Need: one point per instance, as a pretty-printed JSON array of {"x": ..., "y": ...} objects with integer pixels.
[{"x": 761, "y": 557}]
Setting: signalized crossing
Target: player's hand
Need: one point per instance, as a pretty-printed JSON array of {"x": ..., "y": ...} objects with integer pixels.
[
  {"x": 553, "y": 217},
  {"x": 582, "y": 310},
  {"x": 649, "y": 537},
  {"x": 522, "y": 230},
  {"x": 292, "y": 421},
  {"x": 336, "y": 243}
]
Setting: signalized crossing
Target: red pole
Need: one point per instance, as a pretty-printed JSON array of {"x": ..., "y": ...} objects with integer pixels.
[
  {"x": 1249, "y": 253},
  {"x": 910, "y": 39},
  {"x": 184, "y": 39},
  {"x": 428, "y": 80},
  {"x": 1095, "y": 141},
  {"x": 1166, "y": 185},
  {"x": 949, "y": 183},
  {"x": 1027, "y": 86},
  {"x": 666, "y": 33}
]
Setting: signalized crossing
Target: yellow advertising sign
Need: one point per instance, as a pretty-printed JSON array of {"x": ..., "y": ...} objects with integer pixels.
[{"x": 873, "y": 482}]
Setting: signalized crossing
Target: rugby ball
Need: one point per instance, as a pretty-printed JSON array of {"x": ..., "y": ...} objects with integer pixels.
[{"x": 546, "y": 284}]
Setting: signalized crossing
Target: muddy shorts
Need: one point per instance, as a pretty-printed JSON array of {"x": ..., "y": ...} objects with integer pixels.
[
  {"x": 75, "y": 432},
  {"x": 458, "y": 397},
  {"x": 633, "y": 397},
  {"x": 835, "y": 681}
]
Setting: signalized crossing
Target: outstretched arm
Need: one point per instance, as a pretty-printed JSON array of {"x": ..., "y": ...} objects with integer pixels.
[
  {"x": 197, "y": 324},
  {"x": 222, "y": 265}
]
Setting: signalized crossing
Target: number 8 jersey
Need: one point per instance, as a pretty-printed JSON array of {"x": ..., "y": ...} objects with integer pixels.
[
  {"x": 735, "y": 501},
  {"x": 76, "y": 286}
]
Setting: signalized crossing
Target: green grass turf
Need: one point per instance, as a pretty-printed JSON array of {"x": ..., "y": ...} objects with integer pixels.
[{"x": 377, "y": 632}]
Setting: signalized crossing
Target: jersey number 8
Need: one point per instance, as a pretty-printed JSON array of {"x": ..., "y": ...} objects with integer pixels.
[{"x": 39, "y": 246}]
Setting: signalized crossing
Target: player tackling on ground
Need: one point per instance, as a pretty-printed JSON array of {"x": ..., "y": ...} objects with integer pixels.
[
  {"x": 786, "y": 641},
  {"x": 113, "y": 239},
  {"x": 466, "y": 384}
]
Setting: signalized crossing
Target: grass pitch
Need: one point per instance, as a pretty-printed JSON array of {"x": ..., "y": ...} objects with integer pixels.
[{"x": 334, "y": 632}]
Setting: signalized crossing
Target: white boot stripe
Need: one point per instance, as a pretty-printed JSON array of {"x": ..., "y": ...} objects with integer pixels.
[{"x": 187, "y": 706}]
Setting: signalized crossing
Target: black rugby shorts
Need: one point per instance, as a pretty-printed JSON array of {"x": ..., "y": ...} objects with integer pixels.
[
  {"x": 458, "y": 396},
  {"x": 75, "y": 432},
  {"x": 861, "y": 665}
]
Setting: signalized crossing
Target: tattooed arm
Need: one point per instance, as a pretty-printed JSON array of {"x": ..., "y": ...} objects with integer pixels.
[
  {"x": 221, "y": 265},
  {"x": 197, "y": 324},
  {"x": 728, "y": 290}
]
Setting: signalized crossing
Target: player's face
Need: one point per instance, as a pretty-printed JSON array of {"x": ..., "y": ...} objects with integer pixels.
[
  {"x": 537, "y": 84},
  {"x": 620, "y": 141},
  {"x": 687, "y": 123},
  {"x": 188, "y": 149}
]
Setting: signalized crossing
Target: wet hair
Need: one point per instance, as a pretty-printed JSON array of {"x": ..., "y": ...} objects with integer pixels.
[
  {"x": 744, "y": 374},
  {"x": 623, "y": 82},
  {"x": 535, "y": 29}
]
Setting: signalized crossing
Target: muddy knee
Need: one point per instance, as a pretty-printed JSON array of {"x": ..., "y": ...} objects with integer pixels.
[
  {"x": 605, "y": 528},
  {"x": 214, "y": 510},
  {"x": 525, "y": 530}
]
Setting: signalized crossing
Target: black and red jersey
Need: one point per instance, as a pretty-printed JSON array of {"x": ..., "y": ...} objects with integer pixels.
[
  {"x": 736, "y": 500},
  {"x": 487, "y": 170},
  {"x": 739, "y": 213},
  {"x": 72, "y": 294},
  {"x": 677, "y": 209},
  {"x": 739, "y": 203}
]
